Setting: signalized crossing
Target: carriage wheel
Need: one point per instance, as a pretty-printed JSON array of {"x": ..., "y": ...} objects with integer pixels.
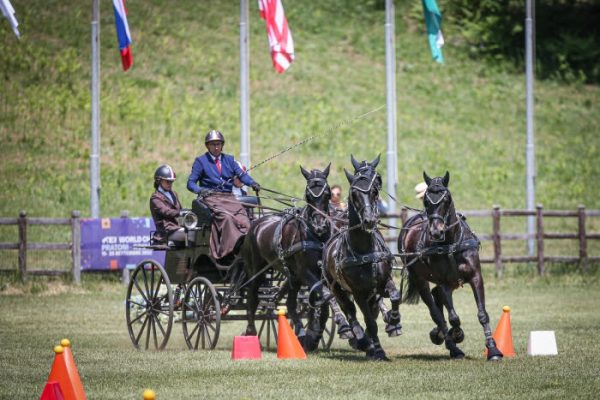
[
  {"x": 149, "y": 306},
  {"x": 267, "y": 332},
  {"x": 201, "y": 314}
]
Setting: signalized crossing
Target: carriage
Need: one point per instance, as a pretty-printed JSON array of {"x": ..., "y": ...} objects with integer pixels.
[{"x": 194, "y": 290}]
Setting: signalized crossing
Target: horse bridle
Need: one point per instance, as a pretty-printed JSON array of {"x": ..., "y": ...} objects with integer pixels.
[
  {"x": 316, "y": 195},
  {"x": 365, "y": 190},
  {"x": 446, "y": 218},
  {"x": 309, "y": 189}
]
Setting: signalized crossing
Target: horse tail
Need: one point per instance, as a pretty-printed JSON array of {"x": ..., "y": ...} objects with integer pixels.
[{"x": 412, "y": 293}]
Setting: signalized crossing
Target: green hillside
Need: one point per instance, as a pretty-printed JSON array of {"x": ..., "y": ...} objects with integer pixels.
[{"x": 466, "y": 116}]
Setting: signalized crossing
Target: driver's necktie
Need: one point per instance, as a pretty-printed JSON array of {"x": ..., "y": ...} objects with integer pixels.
[{"x": 218, "y": 163}]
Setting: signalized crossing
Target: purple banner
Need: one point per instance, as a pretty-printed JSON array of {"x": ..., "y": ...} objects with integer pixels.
[{"x": 116, "y": 243}]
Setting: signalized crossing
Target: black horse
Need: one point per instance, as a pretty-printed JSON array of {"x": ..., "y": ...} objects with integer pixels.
[
  {"x": 439, "y": 247},
  {"x": 357, "y": 262},
  {"x": 292, "y": 242}
]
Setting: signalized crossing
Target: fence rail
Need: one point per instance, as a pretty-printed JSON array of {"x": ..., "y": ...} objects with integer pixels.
[
  {"x": 23, "y": 245},
  {"x": 497, "y": 237}
]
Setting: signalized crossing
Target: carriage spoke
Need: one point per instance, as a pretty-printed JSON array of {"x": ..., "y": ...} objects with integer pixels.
[
  {"x": 148, "y": 292},
  {"x": 142, "y": 293},
  {"x": 208, "y": 337},
  {"x": 162, "y": 330},
  {"x": 130, "y": 302},
  {"x": 154, "y": 336},
  {"x": 152, "y": 282},
  {"x": 148, "y": 331},
  {"x": 144, "y": 313},
  {"x": 141, "y": 332}
]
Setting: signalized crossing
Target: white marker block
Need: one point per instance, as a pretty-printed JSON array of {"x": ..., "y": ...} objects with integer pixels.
[{"x": 542, "y": 343}]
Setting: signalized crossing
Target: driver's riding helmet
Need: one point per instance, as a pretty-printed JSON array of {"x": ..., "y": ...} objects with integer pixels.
[
  {"x": 214, "y": 136},
  {"x": 164, "y": 172}
]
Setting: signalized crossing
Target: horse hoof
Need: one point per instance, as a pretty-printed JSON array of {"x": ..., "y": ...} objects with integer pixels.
[
  {"x": 345, "y": 332},
  {"x": 391, "y": 318},
  {"x": 363, "y": 344},
  {"x": 457, "y": 356},
  {"x": 353, "y": 343},
  {"x": 494, "y": 354},
  {"x": 377, "y": 355},
  {"x": 457, "y": 334},
  {"x": 308, "y": 343},
  {"x": 394, "y": 330},
  {"x": 436, "y": 336}
]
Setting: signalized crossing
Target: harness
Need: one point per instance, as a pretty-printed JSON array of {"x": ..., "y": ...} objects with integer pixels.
[
  {"x": 382, "y": 254},
  {"x": 450, "y": 250},
  {"x": 304, "y": 245}
]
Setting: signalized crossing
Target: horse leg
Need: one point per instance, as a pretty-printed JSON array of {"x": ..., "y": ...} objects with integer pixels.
[
  {"x": 317, "y": 320},
  {"x": 439, "y": 334},
  {"x": 494, "y": 354},
  {"x": 292, "y": 309},
  {"x": 368, "y": 305},
  {"x": 344, "y": 330},
  {"x": 358, "y": 340},
  {"x": 251, "y": 306},
  {"x": 393, "y": 327},
  {"x": 443, "y": 298},
  {"x": 443, "y": 295}
]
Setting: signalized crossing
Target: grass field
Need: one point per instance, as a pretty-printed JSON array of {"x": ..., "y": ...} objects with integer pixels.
[{"x": 92, "y": 317}]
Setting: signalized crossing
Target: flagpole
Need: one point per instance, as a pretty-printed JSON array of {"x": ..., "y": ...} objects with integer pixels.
[
  {"x": 390, "y": 72},
  {"x": 244, "y": 85},
  {"x": 530, "y": 146},
  {"x": 95, "y": 153}
]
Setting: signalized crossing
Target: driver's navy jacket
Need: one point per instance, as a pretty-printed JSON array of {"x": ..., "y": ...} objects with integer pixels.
[{"x": 205, "y": 174}]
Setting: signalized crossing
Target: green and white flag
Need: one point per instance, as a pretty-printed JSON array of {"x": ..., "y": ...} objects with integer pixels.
[{"x": 433, "y": 20}]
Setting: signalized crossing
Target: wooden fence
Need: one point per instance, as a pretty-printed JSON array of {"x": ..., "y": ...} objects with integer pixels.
[
  {"x": 582, "y": 235},
  {"x": 23, "y": 245},
  {"x": 497, "y": 236}
]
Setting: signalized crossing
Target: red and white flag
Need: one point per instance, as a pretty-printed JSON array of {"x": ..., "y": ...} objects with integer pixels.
[{"x": 280, "y": 37}]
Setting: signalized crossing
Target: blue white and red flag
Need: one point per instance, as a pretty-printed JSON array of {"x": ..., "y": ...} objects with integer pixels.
[
  {"x": 123, "y": 33},
  {"x": 280, "y": 37}
]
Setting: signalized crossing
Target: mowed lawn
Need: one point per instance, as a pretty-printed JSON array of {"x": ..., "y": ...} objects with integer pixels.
[{"x": 93, "y": 318}]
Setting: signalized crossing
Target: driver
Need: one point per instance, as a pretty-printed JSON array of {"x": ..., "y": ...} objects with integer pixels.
[{"x": 212, "y": 179}]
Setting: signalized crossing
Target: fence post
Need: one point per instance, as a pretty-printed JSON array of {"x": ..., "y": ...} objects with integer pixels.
[
  {"x": 583, "y": 256},
  {"x": 76, "y": 246},
  {"x": 125, "y": 271},
  {"x": 540, "y": 240},
  {"x": 23, "y": 245},
  {"x": 496, "y": 238}
]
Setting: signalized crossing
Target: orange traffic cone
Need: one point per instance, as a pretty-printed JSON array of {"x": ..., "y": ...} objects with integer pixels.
[
  {"x": 75, "y": 378},
  {"x": 65, "y": 373},
  {"x": 288, "y": 345},
  {"x": 503, "y": 334},
  {"x": 52, "y": 391}
]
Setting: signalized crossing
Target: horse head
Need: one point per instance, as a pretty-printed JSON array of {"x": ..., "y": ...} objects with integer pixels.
[
  {"x": 317, "y": 195},
  {"x": 363, "y": 196},
  {"x": 438, "y": 206}
]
